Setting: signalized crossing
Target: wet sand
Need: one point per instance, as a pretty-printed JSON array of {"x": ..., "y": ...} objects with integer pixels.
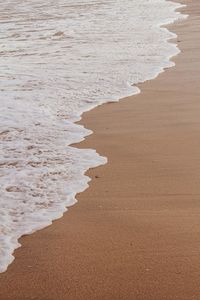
[{"x": 135, "y": 233}]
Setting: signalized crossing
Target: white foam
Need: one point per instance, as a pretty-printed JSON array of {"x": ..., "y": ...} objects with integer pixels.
[{"x": 59, "y": 59}]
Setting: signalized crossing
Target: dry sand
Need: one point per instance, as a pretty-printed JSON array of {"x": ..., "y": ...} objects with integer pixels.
[{"x": 135, "y": 234}]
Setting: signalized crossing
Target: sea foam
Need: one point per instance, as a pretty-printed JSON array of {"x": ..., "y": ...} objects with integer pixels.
[{"x": 59, "y": 59}]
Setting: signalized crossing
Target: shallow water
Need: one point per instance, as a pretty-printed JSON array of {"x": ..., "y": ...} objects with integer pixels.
[{"x": 57, "y": 61}]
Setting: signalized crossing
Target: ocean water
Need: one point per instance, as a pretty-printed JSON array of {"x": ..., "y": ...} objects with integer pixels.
[{"x": 59, "y": 59}]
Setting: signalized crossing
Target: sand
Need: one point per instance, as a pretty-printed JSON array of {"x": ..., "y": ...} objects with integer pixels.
[{"x": 135, "y": 233}]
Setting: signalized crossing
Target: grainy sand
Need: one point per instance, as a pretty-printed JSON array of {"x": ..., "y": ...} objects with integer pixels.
[{"x": 135, "y": 234}]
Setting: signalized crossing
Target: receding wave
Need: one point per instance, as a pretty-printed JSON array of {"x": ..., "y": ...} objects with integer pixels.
[{"x": 57, "y": 60}]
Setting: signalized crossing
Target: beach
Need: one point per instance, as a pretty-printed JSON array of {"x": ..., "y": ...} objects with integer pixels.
[{"x": 135, "y": 233}]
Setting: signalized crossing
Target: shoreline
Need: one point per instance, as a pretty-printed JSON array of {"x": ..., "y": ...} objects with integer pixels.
[
  {"x": 85, "y": 159},
  {"x": 98, "y": 160},
  {"x": 111, "y": 236}
]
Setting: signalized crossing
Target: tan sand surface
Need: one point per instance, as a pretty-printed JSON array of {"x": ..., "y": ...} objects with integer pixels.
[{"x": 135, "y": 233}]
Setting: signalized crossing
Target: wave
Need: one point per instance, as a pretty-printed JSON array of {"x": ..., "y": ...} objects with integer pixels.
[{"x": 58, "y": 60}]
